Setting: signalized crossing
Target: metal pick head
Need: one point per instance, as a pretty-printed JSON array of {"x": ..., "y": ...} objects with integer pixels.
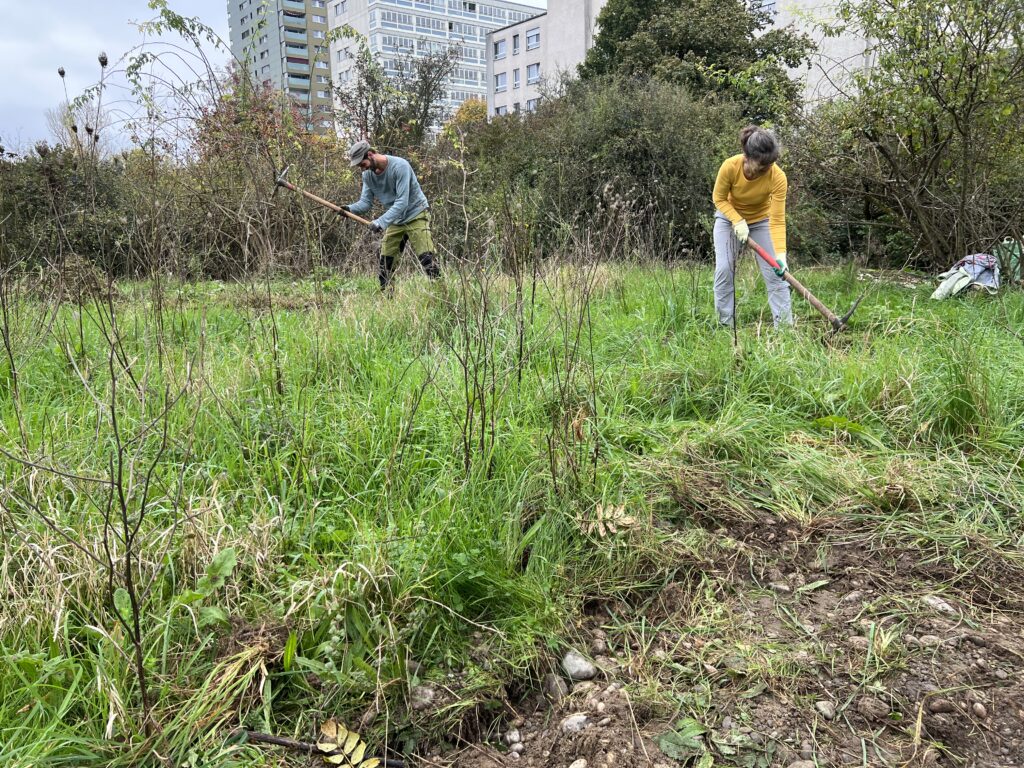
[
  {"x": 283, "y": 178},
  {"x": 853, "y": 309}
]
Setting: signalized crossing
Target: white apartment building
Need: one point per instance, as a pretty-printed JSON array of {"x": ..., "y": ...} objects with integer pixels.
[
  {"x": 399, "y": 28},
  {"x": 521, "y": 55}
]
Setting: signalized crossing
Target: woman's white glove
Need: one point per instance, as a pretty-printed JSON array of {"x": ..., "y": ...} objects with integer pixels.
[{"x": 741, "y": 230}]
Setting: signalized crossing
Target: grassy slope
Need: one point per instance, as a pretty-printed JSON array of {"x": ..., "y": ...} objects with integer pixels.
[{"x": 328, "y": 454}]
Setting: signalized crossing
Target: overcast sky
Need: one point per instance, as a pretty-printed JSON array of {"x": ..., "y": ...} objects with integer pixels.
[{"x": 36, "y": 39}]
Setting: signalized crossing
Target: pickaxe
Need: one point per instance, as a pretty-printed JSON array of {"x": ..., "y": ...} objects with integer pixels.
[
  {"x": 838, "y": 323},
  {"x": 282, "y": 181}
]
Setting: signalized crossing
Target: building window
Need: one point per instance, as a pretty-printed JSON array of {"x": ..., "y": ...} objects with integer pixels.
[
  {"x": 532, "y": 73},
  {"x": 322, "y": 64},
  {"x": 319, "y": 19},
  {"x": 501, "y": 110},
  {"x": 531, "y": 105},
  {"x": 468, "y": 7},
  {"x": 319, "y": 3},
  {"x": 245, "y": 33},
  {"x": 340, "y": 8},
  {"x": 515, "y": 44},
  {"x": 322, "y": 79},
  {"x": 501, "y": 82},
  {"x": 241, "y": 6},
  {"x": 532, "y": 38},
  {"x": 263, "y": 39},
  {"x": 264, "y": 54},
  {"x": 322, "y": 94},
  {"x": 499, "y": 49},
  {"x": 515, "y": 107},
  {"x": 515, "y": 77},
  {"x": 319, "y": 34}
]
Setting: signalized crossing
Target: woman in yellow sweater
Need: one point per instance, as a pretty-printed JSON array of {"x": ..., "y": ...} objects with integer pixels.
[{"x": 750, "y": 198}]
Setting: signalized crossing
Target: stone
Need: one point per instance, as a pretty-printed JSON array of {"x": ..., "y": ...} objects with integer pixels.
[
  {"x": 413, "y": 667},
  {"x": 937, "y": 603},
  {"x": 979, "y": 710},
  {"x": 512, "y": 736},
  {"x": 941, "y": 705},
  {"x": 517, "y": 747},
  {"x": 578, "y": 667},
  {"x": 826, "y": 709},
  {"x": 781, "y": 587},
  {"x": 930, "y": 641},
  {"x": 598, "y": 646},
  {"x": 872, "y": 708},
  {"x": 422, "y": 696},
  {"x": 803, "y": 764},
  {"x": 581, "y": 763},
  {"x": 555, "y": 688},
  {"x": 575, "y": 723}
]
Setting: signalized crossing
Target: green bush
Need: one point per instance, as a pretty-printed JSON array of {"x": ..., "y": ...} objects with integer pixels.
[{"x": 638, "y": 154}]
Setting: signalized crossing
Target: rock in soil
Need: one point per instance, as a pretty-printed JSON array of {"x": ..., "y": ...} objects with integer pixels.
[
  {"x": 578, "y": 667},
  {"x": 574, "y": 723},
  {"x": 581, "y": 763},
  {"x": 826, "y": 709},
  {"x": 937, "y": 706},
  {"x": 555, "y": 688},
  {"x": 872, "y": 708},
  {"x": 422, "y": 697}
]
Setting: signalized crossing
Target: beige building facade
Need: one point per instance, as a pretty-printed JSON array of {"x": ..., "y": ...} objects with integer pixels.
[{"x": 522, "y": 56}]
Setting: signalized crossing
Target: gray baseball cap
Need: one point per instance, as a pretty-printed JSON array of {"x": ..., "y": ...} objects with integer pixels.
[{"x": 357, "y": 152}]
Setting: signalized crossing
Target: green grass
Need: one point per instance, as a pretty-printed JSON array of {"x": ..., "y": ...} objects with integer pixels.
[{"x": 323, "y": 442}]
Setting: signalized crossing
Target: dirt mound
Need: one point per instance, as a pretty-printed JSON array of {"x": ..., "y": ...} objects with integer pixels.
[{"x": 798, "y": 646}]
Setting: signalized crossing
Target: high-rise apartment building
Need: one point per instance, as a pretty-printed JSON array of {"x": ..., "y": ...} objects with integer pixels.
[
  {"x": 395, "y": 29},
  {"x": 283, "y": 43},
  {"x": 522, "y": 54}
]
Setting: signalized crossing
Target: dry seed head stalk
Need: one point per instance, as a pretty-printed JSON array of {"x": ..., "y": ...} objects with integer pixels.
[
  {"x": 102, "y": 58},
  {"x": 60, "y": 71}
]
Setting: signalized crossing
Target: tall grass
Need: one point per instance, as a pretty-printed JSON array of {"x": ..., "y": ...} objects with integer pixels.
[{"x": 327, "y": 452}]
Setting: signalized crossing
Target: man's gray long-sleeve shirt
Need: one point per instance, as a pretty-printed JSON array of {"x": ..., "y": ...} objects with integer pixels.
[{"x": 397, "y": 189}]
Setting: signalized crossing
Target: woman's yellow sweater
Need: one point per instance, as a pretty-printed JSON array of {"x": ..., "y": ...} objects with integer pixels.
[{"x": 763, "y": 198}]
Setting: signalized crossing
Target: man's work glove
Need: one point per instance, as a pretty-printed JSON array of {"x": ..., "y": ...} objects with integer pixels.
[
  {"x": 343, "y": 209},
  {"x": 741, "y": 230},
  {"x": 781, "y": 259},
  {"x": 376, "y": 228}
]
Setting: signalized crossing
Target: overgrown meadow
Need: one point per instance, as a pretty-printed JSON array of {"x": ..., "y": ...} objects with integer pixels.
[{"x": 267, "y": 504}]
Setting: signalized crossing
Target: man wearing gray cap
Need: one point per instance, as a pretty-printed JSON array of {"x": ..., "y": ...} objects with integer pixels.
[{"x": 392, "y": 181}]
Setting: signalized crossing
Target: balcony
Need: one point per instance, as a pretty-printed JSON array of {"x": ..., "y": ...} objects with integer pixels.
[
  {"x": 297, "y": 81},
  {"x": 288, "y": 20},
  {"x": 295, "y": 37},
  {"x": 294, "y": 5},
  {"x": 296, "y": 50},
  {"x": 295, "y": 67}
]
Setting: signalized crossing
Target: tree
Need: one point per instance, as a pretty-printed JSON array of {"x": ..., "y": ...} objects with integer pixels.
[
  {"x": 930, "y": 135},
  {"x": 396, "y": 109},
  {"x": 710, "y": 46}
]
